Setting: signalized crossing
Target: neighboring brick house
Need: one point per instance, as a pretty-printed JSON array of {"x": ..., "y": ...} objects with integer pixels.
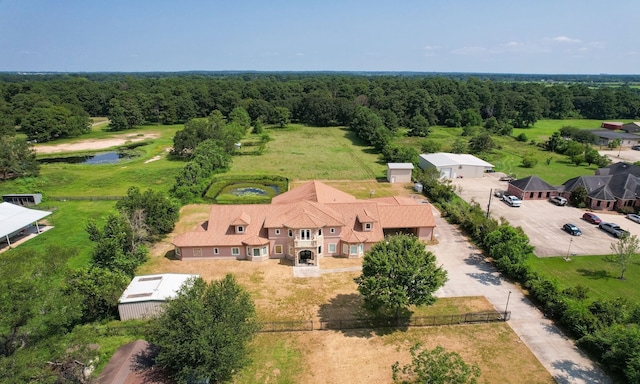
[
  {"x": 532, "y": 188},
  {"x": 304, "y": 225}
]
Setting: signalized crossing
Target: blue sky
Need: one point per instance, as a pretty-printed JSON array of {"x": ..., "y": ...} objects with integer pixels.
[{"x": 491, "y": 36}]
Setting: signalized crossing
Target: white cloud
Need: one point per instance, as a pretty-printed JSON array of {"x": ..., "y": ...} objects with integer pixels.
[
  {"x": 430, "y": 47},
  {"x": 565, "y": 39}
]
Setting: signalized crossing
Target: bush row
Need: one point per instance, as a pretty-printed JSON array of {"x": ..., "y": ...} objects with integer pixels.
[{"x": 608, "y": 330}]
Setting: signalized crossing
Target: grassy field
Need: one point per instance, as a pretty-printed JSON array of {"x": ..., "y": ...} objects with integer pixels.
[
  {"x": 543, "y": 129},
  {"x": 306, "y": 153},
  {"x": 595, "y": 272}
]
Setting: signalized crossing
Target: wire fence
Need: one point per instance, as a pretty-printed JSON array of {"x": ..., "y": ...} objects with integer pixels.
[
  {"x": 366, "y": 323},
  {"x": 90, "y": 198}
]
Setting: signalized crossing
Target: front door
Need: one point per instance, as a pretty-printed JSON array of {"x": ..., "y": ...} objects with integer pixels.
[{"x": 304, "y": 256}]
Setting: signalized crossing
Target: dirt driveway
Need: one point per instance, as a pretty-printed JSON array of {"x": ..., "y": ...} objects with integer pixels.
[
  {"x": 95, "y": 144},
  {"x": 542, "y": 221}
]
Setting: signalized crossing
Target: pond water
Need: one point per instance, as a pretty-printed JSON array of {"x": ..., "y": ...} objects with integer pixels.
[
  {"x": 100, "y": 158},
  {"x": 248, "y": 191}
]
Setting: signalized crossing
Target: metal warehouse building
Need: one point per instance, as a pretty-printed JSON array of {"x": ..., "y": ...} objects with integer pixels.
[
  {"x": 145, "y": 294},
  {"x": 453, "y": 165}
]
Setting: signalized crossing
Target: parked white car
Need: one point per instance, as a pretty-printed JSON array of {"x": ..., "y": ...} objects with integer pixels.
[{"x": 512, "y": 201}]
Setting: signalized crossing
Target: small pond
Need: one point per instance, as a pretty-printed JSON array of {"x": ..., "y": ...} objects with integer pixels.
[
  {"x": 99, "y": 158},
  {"x": 248, "y": 191}
]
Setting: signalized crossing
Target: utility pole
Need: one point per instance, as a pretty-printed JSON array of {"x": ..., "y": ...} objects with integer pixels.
[
  {"x": 489, "y": 205},
  {"x": 506, "y": 306}
]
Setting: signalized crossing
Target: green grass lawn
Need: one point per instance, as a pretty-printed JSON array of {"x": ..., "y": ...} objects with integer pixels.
[
  {"x": 595, "y": 272},
  {"x": 543, "y": 129},
  {"x": 305, "y": 153}
]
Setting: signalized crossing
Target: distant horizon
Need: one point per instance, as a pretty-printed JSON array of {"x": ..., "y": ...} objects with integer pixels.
[{"x": 321, "y": 71}]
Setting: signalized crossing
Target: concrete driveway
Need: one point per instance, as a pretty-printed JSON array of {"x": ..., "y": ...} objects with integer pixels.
[
  {"x": 470, "y": 275},
  {"x": 542, "y": 221}
]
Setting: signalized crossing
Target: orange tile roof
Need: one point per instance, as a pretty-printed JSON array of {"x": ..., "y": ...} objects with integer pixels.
[
  {"x": 313, "y": 205},
  {"x": 313, "y": 191}
]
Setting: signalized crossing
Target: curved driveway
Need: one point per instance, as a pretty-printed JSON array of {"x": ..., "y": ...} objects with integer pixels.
[{"x": 470, "y": 275}]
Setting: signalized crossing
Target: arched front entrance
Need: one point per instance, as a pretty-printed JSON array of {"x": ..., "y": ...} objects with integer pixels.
[{"x": 305, "y": 256}]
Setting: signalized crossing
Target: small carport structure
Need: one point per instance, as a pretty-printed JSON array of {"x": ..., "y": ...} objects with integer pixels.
[{"x": 15, "y": 219}]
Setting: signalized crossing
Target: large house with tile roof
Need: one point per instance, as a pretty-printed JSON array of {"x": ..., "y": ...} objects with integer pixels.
[{"x": 304, "y": 225}]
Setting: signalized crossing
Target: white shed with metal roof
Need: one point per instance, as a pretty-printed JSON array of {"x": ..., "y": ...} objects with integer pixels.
[
  {"x": 145, "y": 294},
  {"x": 454, "y": 165},
  {"x": 399, "y": 172}
]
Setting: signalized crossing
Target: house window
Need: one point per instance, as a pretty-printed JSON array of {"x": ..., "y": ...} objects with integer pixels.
[
  {"x": 215, "y": 251},
  {"x": 248, "y": 251},
  {"x": 277, "y": 231},
  {"x": 319, "y": 231},
  {"x": 256, "y": 251},
  {"x": 279, "y": 249},
  {"x": 531, "y": 195},
  {"x": 240, "y": 229},
  {"x": 319, "y": 249},
  {"x": 360, "y": 249},
  {"x": 367, "y": 226},
  {"x": 548, "y": 194},
  {"x": 353, "y": 249},
  {"x": 598, "y": 203},
  {"x": 197, "y": 252},
  {"x": 264, "y": 251},
  {"x": 332, "y": 248},
  {"x": 332, "y": 230},
  {"x": 539, "y": 195},
  {"x": 290, "y": 233},
  {"x": 305, "y": 234},
  {"x": 235, "y": 251},
  {"x": 177, "y": 251}
]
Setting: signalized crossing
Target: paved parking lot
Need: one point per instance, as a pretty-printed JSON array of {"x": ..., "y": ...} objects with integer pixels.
[{"x": 542, "y": 221}]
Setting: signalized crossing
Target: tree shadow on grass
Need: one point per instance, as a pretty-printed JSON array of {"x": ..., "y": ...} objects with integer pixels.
[
  {"x": 595, "y": 275},
  {"x": 345, "y": 313}
]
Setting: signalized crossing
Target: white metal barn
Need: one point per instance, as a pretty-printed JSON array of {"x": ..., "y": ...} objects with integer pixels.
[
  {"x": 399, "y": 172},
  {"x": 145, "y": 294},
  {"x": 453, "y": 165}
]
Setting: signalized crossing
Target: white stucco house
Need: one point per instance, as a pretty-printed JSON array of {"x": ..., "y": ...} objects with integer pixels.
[{"x": 454, "y": 165}]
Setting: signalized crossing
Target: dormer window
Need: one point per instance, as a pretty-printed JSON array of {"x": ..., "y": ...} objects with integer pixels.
[
  {"x": 367, "y": 226},
  {"x": 240, "y": 229}
]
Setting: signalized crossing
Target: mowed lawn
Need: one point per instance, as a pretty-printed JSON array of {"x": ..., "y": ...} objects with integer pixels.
[
  {"x": 306, "y": 153},
  {"x": 595, "y": 272}
]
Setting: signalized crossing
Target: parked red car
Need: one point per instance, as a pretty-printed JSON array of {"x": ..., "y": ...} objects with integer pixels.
[{"x": 591, "y": 218}]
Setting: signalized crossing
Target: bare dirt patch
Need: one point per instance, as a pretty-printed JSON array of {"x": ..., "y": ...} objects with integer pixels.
[{"x": 94, "y": 144}]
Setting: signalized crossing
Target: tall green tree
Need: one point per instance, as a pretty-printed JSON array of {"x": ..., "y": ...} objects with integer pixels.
[
  {"x": 397, "y": 273},
  {"x": 115, "y": 247},
  {"x": 203, "y": 333},
  {"x": 54, "y": 122},
  {"x": 625, "y": 252},
  {"x": 160, "y": 211},
  {"x": 435, "y": 366},
  {"x": 17, "y": 158},
  {"x": 281, "y": 116}
]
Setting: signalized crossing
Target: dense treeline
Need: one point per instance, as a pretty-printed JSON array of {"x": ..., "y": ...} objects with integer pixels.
[
  {"x": 607, "y": 329},
  {"x": 40, "y": 105}
]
